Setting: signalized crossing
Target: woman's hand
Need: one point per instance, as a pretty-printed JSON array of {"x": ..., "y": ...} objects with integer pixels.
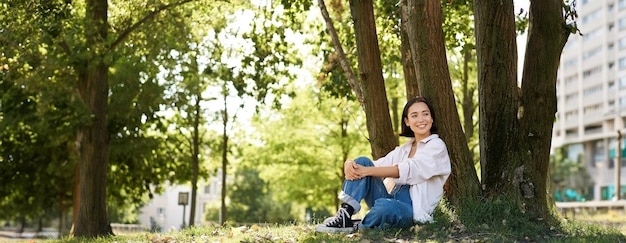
[{"x": 351, "y": 169}]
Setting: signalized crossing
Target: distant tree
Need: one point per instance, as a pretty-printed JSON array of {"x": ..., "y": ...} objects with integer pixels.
[
  {"x": 251, "y": 200},
  {"x": 297, "y": 149},
  {"x": 257, "y": 68},
  {"x": 569, "y": 179},
  {"x": 38, "y": 122}
]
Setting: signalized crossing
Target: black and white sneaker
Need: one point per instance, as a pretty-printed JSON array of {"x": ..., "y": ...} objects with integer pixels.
[{"x": 341, "y": 220}]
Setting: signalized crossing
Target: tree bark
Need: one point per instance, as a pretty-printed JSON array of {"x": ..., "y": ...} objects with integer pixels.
[
  {"x": 408, "y": 62},
  {"x": 516, "y": 124},
  {"x": 93, "y": 139},
  {"x": 223, "y": 212},
  {"x": 428, "y": 48},
  {"x": 381, "y": 135},
  {"x": 195, "y": 164},
  {"x": 547, "y": 36},
  {"x": 469, "y": 107},
  {"x": 498, "y": 96}
]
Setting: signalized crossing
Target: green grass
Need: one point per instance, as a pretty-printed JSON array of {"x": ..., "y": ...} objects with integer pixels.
[{"x": 493, "y": 221}]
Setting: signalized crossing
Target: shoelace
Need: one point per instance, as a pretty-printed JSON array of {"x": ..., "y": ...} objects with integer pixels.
[{"x": 340, "y": 218}]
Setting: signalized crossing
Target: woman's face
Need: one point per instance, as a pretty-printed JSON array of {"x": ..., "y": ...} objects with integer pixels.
[{"x": 419, "y": 120}]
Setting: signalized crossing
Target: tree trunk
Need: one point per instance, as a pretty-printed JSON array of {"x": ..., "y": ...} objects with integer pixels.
[
  {"x": 62, "y": 208},
  {"x": 498, "y": 95},
  {"x": 75, "y": 196},
  {"x": 516, "y": 124},
  {"x": 547, "y": 37},
  {"x": 195, "y": 164},
  {"x": 381, "y": 135},
  {"x": 93, "y": 142},
  {"x": 408, "y": 66},
  {"x": 428, "y": 47},
  {"x": 469, "y": 107},
  {"x": 224, "y": 163}
]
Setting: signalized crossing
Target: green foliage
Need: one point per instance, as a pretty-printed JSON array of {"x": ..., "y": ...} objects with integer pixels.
[
  {"x": 251, "y": 200},
  {"x": 569, "y": 180},
  {"x": 301, "y": 149},
  {"x": 42, "y": 111},
  {"x": 38, "y": 121}
]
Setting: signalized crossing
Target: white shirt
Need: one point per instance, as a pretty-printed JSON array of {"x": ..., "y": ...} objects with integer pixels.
[{"x": 426, "y": 173}]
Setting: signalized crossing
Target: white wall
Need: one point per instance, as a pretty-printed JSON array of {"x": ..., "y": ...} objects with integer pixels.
[{"x": 166, "y": 212}]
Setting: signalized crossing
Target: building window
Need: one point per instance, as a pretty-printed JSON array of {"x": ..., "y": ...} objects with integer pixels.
[
  {"x": 621, "y": 43},
  {"x": 622, "y": 82},
  {"x": 590, "y": 17},
  {"x": 570, "y": 115},
  {"x": 592, "y": 90},
  {"x": 622, "y": 63},
  {"x": 621, "y": 23},
  {"x": 594, "y": 71},
  {"x": 621, "y": 4},
  {"x": 570, "y": 97},
  {"x": 598, "y": 153},
  {"x": 608, "y": 192},
  {"x": 592, "y": 109},
  {"x": 592, "y": 53},
  {"x": 622, "y": 103},
  {"x": 571, "y": 79},
  {"x": 570, "y": 62}
]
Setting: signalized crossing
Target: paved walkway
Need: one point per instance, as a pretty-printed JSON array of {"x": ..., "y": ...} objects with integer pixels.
[{"x": 9, "y": 235}]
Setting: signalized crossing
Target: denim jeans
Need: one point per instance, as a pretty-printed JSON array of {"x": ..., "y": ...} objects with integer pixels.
[{"x": 386, "y": 210}]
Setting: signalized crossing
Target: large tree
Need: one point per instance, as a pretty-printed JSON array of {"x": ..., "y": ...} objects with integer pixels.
[
  {"x": 86, "y": 42},
  {"x": 426, "y": 40},
  {"x": 515, "y": 123},
  {"x": 92, "y": 68}
]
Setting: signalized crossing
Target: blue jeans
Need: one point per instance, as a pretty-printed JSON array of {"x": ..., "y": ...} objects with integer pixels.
[{"x": 386, "y": 210}]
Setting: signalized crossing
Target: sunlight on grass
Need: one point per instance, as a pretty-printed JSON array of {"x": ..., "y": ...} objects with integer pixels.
[{"x": 493, "y": 221}]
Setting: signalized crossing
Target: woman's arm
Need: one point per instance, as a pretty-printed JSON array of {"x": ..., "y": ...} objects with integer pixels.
[
  {"x": 382, "y": 171},
  {"x": 356, "y": 171}
]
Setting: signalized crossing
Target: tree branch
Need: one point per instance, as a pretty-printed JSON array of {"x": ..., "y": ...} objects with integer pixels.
[
  {"x": 343, "y": 60},
  {"x": 136, "y": 25}
]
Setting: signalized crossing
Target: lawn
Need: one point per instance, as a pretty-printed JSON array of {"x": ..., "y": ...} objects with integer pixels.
[
  {"x": 484, "y": 222},
  {"x": 588, "y": 227}
]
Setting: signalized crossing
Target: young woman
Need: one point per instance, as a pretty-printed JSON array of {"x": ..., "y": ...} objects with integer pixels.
[{"x": 419, "y": 170}]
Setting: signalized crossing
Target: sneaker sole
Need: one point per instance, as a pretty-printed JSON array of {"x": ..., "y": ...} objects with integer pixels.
[
  {"x": 326, "y": 229},
  {"x": 346, "y": 230}
]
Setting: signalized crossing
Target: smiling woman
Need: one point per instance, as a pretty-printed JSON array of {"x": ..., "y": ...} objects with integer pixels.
[{"x": 417, "y": 171}]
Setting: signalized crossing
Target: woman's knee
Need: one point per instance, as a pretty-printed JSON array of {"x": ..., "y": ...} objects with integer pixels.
[{"x": 365, "y": 161}]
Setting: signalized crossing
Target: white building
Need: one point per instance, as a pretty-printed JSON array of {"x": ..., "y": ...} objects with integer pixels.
[
  {"x": 591, "y": 91},
  {"x": 164, "y": 211}
]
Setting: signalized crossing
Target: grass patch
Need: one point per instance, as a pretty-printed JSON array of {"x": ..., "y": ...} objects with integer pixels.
[
  {"x": 498, "y": 221},
  {"x": 493, "y": 221}
]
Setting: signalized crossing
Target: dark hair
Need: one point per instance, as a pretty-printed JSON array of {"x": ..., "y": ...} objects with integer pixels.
[{"x": 406, "y": 130}]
